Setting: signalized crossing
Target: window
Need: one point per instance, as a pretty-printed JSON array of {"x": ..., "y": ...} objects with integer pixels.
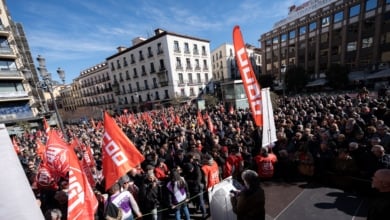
[
  {"x": 118, "y": 64},
  {"x": 339, "y": 16},
  {"x": 206, "y": 77},
  {"x": 186, "y": 48},
  {"x": 181, "y": 79},
  {"x": 159, "y": 48},
  {"x": 268, "y": 42},
  {"x": 275, "y": 40},
  {"x": 371, "y": 4},
  {"x": 283, "y": 38},
  {"x": 132, "y": 58},
  {"x": 205, "y": 65},
  {"x": 302, "y": 30},
  {"x": 291, "y": 35},
  {"x": 196, "y": 49},
  {"x": 325, "y": 22},
  {"x": 367, "y": 42},
  {"x": 176, "y": 47},
  {"x": 124, "y": 61},
  {"x": 152, "y": 69},
  {"x": 351, "y": 46},
  {"x": 135, "y": 73},
  {"x": 146, "y": 84},
  {"x": 198, "y": 78},
  {"x": 197, "y": 65},
  {"x": 178, "y": 62},
  {"x": 141, "y": 56},
  {"x": 150, "y": 53},
  {"x": 190, "y": 77},
  {"x": 143, "y": 70},
  {"x": 188, "y": 63},
  {"x": 354, "y": 11},
  {"x": 204, "y": 51},
  {"x": 312, "y": 26}
]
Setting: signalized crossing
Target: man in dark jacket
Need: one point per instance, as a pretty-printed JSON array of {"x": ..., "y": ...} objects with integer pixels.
[{"x": 380, "y": 203}]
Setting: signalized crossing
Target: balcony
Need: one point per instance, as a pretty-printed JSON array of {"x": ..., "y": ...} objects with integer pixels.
[
  {"x": 181, "y": 83},
  {"x": 7, "y": 52},
  {"x": 4, "y": 31},
  {"x": 13, "y": 73},
  {"x": 15, "y": 94}
]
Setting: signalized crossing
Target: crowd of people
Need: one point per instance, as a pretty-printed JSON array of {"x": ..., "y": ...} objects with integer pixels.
[{"x": 337, "y": 139}]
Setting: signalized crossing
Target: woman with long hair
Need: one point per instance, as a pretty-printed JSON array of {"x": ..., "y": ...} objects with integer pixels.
[{"x": 178, "y": 195}]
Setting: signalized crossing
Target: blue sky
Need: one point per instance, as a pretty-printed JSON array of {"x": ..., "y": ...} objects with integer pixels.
[{"x": 77, "y": 34}]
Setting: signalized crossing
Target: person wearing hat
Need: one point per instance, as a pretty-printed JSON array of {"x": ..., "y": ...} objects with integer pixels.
[
  {"x": 211, "y": 171},
  {"x": 127, "y": 183}
]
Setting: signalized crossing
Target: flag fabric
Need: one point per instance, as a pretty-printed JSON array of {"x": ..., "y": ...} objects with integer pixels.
[
  {"x": 41, "y": 150},
  {"x": 200, "y": 119},
  {"x": 93, "y": 123},
  {"x": 16, "y": 145},
  {"x": 119, "y": 153},
  {"x": 57, "y": 159},
  {"x": 252, "y": 87},
  {"x": 46, "y": 126},
  {"x": 82, "y": 202},
  {"x": 269, "y": 129}
]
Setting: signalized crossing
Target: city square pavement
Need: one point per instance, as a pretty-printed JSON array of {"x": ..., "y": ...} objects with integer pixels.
[{"x": 306, "y": 201}]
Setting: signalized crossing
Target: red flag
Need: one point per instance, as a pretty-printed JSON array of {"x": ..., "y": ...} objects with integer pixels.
[
  {"x": 57, "y": 154},
  {"x": 41, "y": 150},
  {"x": 177, "y": 120},
  {"x": 93, "y": 123},
  {"x": 16, "y": 145},
  {"x": 99, "y": 125},
  {"x": 164, "y": 121},
  {"x": 211, "y": 126},
  {"x": 119, "y": 153},
  {"x": 82, "y": 203},
  {"x": 46, "y": 126},
  {"x": 200, "y": 119},
  {"x": 252, "y": 87}
]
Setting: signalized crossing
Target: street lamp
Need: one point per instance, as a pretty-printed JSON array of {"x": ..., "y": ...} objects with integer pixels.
[
  {"x": 283, "y": 73},
  {"x": 32, "y": 82},
  {"x": 47, "y": 82}
]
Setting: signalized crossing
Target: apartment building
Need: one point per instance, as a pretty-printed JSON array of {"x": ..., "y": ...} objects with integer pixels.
[
  {"x": 166, "y": 68},
  {"x": 226, "y": 77},
  {"x": 355, "y": 33},
  {"x": 88, "y": 95},
  {"x": 19, "y": 101}
]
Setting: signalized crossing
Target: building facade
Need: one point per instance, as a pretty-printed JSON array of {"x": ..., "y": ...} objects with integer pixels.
[
  {"x": 227, "y": 81},
  {"x": 88, "y": 95},
  {"x": 166, "y": 68},
  {"x": 19, "y": 101},
  {"x": 355, "y": 33}
]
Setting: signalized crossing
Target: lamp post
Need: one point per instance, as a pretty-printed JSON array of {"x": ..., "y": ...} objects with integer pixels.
[
  {"x": 32, "y": 82},
  {"x": 47, "y": 82},
  {"x": 283, "y": 74}
]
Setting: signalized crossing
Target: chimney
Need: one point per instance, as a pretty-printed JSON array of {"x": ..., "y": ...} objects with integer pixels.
[
  {"x": 121, "y": 48},
  {"x": 158, "y": 31},
  {"x": 138, "y": 40}
]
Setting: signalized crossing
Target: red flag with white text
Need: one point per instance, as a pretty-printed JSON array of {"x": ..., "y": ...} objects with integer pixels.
[
  {"x": 82, "y": 202},
  {"x": 252, "y": 87},
  {"x": 119, "y": 153},
  {"x": 57, "y": 159}
]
